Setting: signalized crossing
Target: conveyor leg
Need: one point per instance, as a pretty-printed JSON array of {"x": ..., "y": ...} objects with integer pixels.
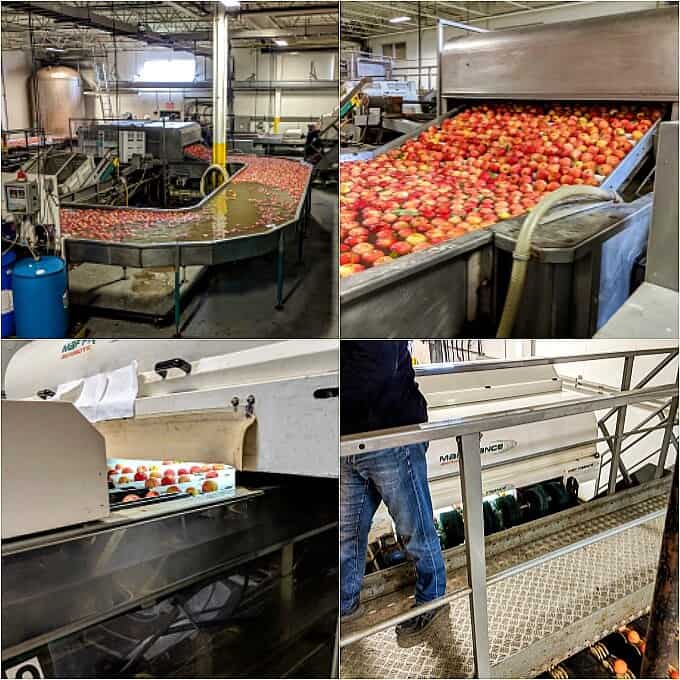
[
  {"x": 177, "y": 297},
  {"x": 620, "y": 426},
  {"x": 668, "y": 432},
  {"x": 279, "y": 273},
  {"x": 473, "y": 520},
  {"x": 336, "y": 651},
  {"x": 661, "y": 650},
  {"x": 124, "y": 272},
  {"x": 286, "y": 589}
]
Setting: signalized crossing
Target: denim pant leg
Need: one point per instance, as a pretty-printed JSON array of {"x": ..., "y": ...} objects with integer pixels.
[
  {"x": 358, "y": 502},
  {"x": 400, "y": 476}
]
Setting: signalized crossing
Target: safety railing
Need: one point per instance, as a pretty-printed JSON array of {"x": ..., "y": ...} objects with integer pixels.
[{"x": 467, "y": 432}]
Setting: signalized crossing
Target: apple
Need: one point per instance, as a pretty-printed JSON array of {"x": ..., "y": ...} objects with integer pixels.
[
  {"x": 211, "y": 473},
  {"x": 123, "y": 480},
  {"x": 167, "y": 480},
  {"x": 156, "y": 474},
  {"x": 151, "y": 494},
  {"x": 140, "y": 476},
  {"x": 182, "y": 479},
  {"x": 151, "y": 482},
  {"x": 183, "y": 471},
  {"x": 192, "y": 491},
  {"x": 142, "y": 468},
  {"x": 195, "y": 469},
  {"x": 209, "y": 485},
  {"x": 131, "y": 497},
  {"x": 169, "y": 472},
  {"x": 173, "y": 489}
]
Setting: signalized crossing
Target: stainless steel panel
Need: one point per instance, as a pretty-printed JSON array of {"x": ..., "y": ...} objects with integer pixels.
[
  {"x": 56, "y": 587},
  {"x": 632, "y": 56},
  {"x": 662, "y": 250}
]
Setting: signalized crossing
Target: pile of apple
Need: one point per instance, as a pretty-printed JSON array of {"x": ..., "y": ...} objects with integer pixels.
[
  {"x": 488, "y": 163},
  {"x": 166, "y": 477}
]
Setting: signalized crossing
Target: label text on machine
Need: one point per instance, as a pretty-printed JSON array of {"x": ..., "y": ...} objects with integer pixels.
[
  {"x": 500, "y": 446},
  {"x": 75, "y": 347}
]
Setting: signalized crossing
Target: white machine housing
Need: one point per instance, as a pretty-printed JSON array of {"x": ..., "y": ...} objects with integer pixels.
[
  {"x": 294, "y": 385},
  {"x": 506, "y": 454}
]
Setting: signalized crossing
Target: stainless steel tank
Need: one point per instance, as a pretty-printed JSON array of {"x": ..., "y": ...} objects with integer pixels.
[{"x": 58, "y": 98}]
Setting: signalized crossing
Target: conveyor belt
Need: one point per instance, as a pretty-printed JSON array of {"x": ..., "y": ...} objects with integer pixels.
[{"x": 536, "y": 618}]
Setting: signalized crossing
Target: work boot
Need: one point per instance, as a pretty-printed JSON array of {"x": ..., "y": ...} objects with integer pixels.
[
  {"x": 356, "y": 613},
  {"x": 411, "y": 632}
]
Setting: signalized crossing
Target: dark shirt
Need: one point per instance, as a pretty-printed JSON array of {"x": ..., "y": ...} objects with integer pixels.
[{"x": 378, "y": 387}]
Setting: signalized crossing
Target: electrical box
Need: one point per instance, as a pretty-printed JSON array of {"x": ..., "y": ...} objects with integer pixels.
[
  {"x": 22, "y": 198},
  {"x": 131, "y": 143}
]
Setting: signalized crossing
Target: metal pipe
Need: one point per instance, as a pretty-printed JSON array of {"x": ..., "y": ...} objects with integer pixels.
[
  {"x": 620, "y": 425},
  {"x": 473, "y": 522},
  {"x": 493, "y": 364},
  {"x": 662, "y": 632},
  {"x": 661, "y": 463},
  {"x": 400, "y": 436},
  {"x": 220, "y": 81}
]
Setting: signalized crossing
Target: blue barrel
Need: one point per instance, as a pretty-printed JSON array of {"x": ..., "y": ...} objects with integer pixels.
[
  {"x": 40, "y": 298},
  {"x": 8, "y": 260}
]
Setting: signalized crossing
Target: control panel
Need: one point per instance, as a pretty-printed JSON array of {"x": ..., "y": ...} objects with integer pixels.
[{"x": 22, "y": 198}]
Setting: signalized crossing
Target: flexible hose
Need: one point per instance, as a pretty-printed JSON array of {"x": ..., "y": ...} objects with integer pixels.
[
  {"x": 522, "y": 251},
  {"x": 214, "y": 166}
]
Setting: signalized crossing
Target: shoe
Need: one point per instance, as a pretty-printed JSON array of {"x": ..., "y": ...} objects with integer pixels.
[
  {"x": 356, "y": 613},
  {"x": 412, "y": 632}
]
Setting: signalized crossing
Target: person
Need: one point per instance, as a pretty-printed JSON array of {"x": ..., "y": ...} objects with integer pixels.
[
  {"x": 313, "y": 145},
  {"x": 379, "y": 391}
]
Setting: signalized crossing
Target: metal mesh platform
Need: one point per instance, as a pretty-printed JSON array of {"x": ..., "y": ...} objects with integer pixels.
[{"x": 538, "y": 617}]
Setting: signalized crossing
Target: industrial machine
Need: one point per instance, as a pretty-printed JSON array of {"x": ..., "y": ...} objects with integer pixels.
[
  {"x": 582, "y": 254},
  {"x": 169, "y": 510},
  {"x": 562, "y": 550}
]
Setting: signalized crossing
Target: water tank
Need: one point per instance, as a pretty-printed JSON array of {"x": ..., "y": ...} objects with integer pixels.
[
  {"x": 59, "y": 97},
  {"x": 40, "y": 298},
  {"x": 8, "y": 260}
]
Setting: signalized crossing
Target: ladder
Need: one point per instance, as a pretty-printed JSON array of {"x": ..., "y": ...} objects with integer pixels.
[{"x": 102, "y": 80}]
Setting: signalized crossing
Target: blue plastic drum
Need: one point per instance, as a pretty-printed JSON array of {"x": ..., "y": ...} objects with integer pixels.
[
  {"x": 8, "y": 260},
  {"x": 40, "y": 298}
]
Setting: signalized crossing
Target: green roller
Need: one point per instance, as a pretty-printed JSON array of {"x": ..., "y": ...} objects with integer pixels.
[
  {"x": 559, "y": 497},
  {"x": 452, "y": 526},
  {"x": 490, "y": 526},
  {"x": 539, "y": 501},
  {"x": 509, "y": 508}
]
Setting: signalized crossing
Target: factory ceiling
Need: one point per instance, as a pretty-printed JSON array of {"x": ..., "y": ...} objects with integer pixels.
[
  {"x": 364, "y": 19},
  {"x": 77, "y": 27}
]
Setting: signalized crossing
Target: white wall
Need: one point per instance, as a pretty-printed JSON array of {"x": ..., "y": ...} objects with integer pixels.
[
  {"x": 16, "y": 71},
  {"x": 566, "y": 12},
  {"x": 267, "y": 67}
]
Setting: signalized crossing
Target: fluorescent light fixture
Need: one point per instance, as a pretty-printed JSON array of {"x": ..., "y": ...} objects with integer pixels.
[
  {"x": 231, "y": 4},
  {"x": 280, "y": 43},
  {"x": 54, "y": 49},
  {"x": 399, "y": 20}
]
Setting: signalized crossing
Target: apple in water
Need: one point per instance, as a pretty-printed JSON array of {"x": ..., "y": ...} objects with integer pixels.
[
  {"x": 152, "y": 494},
  {"x": 195, "y": 469},
  {"x": 156, "y": 474},
  {"x": 131, "y": 497},
  {"x": 151, "y": 482},
  {"x": 211, "y": 473},
  {"x": 123, "y": 480},
  {"x": 169, "y": 472},
  {"x": 192, "y": 490},
  {"x": 167, "y": 480},
  {"x": 127, "y": 470},
  {"x": 173, "y": 489},
  {"x": 182, "y": 479},
  {"x": 218, "y": 466},
  {"x": 140, "y": 476},
  {"x": 209, "y": 485}
]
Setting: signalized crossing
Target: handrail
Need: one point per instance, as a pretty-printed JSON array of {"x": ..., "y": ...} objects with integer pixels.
[{"x": 367, "y": 442}]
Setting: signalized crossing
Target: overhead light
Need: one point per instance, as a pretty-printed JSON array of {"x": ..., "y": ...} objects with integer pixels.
[
  {"x": 231, "y": 4},
  {"x": 54, "y": 49},
  {"x": 399, "y": 20},
  {"x": 280, "y": 43}
]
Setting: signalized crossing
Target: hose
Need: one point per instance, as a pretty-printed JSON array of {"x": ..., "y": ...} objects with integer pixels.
[
  {"x": 214, "y": 166},
  {"x": 522, "y": 252}
]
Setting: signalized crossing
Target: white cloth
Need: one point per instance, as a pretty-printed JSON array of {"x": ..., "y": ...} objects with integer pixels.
[{"x": 105, "y": 396}]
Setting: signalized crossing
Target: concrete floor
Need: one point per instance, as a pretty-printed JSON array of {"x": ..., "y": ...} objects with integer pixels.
[{"x": 237, "y": 300}]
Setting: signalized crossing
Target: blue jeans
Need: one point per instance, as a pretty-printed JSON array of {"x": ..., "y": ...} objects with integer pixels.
[{"x": 397, "y": 476}]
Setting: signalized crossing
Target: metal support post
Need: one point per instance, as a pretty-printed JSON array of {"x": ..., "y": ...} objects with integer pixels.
[
  {"x": 176, "y": 302},
  {"x": 220, "y": 84},
  {"x": 620, "y": 425},
  {"x": 279, "y": 271},
  {"x": 662, "y": 646},
  {"x": 661, "y": 464},
  {"x": 473, "y": 520}
]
